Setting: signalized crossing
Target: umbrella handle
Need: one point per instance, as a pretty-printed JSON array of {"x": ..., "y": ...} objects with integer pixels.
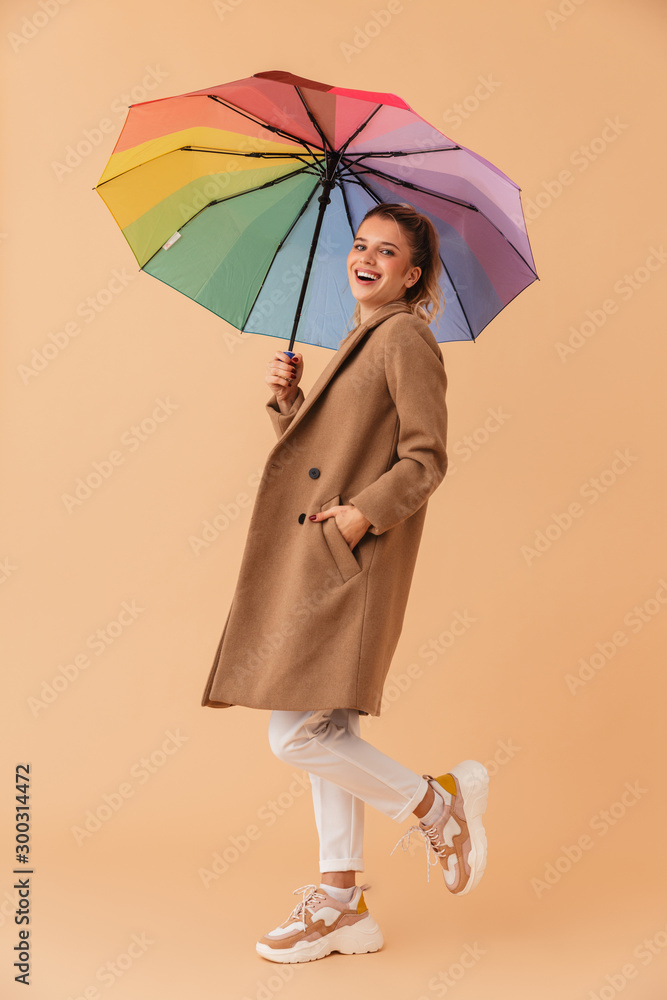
[{"x": 290, "y": 354}]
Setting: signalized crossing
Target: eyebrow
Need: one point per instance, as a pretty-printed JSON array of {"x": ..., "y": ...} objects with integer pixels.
[{"x": 382, "y": 242}]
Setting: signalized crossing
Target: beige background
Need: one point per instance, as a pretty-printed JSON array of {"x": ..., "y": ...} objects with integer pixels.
[{"x": 537, "y": 85}]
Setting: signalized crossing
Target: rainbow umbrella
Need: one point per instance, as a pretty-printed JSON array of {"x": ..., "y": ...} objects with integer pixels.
[{"x": 246, "y": 197}]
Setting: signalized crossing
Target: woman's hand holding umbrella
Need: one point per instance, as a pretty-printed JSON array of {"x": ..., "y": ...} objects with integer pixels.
[{"x": 283, "y": 375}]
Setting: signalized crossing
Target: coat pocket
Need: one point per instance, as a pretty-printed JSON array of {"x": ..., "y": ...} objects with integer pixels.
[{"x": 341, "y": 552}]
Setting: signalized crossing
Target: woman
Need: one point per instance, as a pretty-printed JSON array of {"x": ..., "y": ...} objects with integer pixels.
[{"x": 325, "y": 576}]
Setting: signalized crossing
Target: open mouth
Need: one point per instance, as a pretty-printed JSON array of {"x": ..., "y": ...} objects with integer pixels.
[{"x": 366, "y": 276}]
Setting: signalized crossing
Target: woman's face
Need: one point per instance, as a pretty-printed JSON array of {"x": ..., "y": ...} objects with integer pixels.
[{"x": 378, "y": 265}]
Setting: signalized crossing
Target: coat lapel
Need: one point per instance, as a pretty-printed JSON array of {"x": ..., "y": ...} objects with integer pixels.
[{"x": 345, "y": 348}]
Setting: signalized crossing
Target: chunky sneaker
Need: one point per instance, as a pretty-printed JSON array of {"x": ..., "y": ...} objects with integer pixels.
[
  {"x": 320, "y": 924},
  {"x": 457, "y": 838}
]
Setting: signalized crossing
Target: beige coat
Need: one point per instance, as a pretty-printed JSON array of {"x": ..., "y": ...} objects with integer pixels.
[{"x": 314, "y": 624}]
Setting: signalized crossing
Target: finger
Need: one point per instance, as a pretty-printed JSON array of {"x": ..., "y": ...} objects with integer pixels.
[
  {"x": 279, "y": 361},
  {"x": 282, "y": 370},
  {"x": 277, "y": 381}
]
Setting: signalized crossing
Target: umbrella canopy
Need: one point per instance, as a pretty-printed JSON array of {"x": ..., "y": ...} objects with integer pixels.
[{"x": 246, "y": 197}]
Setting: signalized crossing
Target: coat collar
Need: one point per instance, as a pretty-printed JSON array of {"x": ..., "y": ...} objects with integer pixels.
[{"x": 345, "y": 348}]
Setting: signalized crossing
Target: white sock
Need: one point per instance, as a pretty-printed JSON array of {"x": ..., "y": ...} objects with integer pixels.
[
  {"x": 342, "y": 895},
  {"x": 438, "y": 807}
]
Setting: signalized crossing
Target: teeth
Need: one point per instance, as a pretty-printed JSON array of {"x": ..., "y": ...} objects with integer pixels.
[{"x": 366, "y": 274}]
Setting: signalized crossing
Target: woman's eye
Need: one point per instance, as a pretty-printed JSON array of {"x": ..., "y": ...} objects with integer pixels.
[{"x": 362, "y": 246}]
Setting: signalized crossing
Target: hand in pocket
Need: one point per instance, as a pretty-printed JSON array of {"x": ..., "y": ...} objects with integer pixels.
[{"x": 350, "y": 522}]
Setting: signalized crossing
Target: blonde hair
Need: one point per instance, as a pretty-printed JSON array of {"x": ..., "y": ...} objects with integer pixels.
[{"x": 425, "y": 297}]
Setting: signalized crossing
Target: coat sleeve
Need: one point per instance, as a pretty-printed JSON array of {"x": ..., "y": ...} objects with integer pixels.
[
  {"x": 417, "y": 383},
  {"x": 281, "y": 421}
]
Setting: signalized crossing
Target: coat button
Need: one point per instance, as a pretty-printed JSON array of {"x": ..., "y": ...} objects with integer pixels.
[
  {"x": 302, "y": 518},
  {"x": 313, "y": 473}
]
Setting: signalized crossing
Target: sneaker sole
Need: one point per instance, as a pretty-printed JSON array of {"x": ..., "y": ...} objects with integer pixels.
[
  {"x": 353, "y": 939},
  {"x": 471, "y": 780}
]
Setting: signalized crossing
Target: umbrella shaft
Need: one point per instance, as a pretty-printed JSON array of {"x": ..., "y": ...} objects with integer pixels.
[{"x": 324, "y": 199}]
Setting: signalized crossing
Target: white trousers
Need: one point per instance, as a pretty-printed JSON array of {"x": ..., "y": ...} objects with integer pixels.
[{"x": 345, "y": 773}]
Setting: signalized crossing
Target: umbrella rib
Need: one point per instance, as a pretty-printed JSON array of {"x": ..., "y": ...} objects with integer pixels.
[
  {"x": 384, "y": 154},
  {"x": 203, "y": 149},
  {"x": 262, "y": 156},
  {"x": 260, "y": 187},
  {"x": 325, "y": 143},
  {"x": 347, "y": 209},
  {"x": 136, "y": 166},
  {"x": 340, "y": 152},
  {"x": 298, "y": 216},
  {"x": 314, "y": 121},
  {"x": 259, "y": 121},
  {"x": 413, "y": 187},
  {"x": 239, "y": 194},
  {"x": 254, "y": 155},
  {"x": 360, "y": 128},
  {"x": 278, "y": 248},
  {"x": 455, "y": 201}
]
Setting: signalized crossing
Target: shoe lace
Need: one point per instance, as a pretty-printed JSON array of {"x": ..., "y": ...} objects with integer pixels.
[
  {"x": 310, "y": 896},
  {"x": 435, "y": 849}
]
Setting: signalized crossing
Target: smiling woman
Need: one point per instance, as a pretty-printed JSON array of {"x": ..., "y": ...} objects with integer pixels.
[
  {"x": 325, "y": 578},
  {"x": 394, "y": 257},
  {"x": 381, "y": 270}
]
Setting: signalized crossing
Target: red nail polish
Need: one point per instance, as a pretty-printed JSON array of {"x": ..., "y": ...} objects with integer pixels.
[{"x": 312, "y": 517}]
